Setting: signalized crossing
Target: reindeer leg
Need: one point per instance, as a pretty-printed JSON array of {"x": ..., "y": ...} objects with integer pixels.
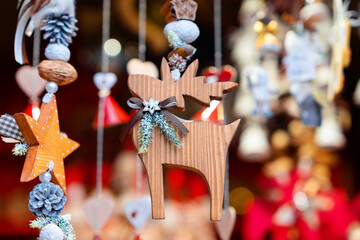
[
  {"x": 216, "y": 199},
  {"x": 156, "y": 184}
]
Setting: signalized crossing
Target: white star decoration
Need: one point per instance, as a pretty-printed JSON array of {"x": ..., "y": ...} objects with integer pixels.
[{"x": 151, "y": 106}]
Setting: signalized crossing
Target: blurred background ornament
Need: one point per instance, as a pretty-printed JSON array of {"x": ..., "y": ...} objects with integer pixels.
[
  {"x": 226, "y": 225},
  {"x": 138, "y": 212},
  {"x": 224, "y": 74},
  {"x": 254, "y": 144},
  {"x": 29, "y": 81},
  {"x": 97, "y": 212},
  {"x": 341, "y": 52},
  {"x": 137, "y": 66},
  {"x": 258, "y": 84},
  {"x": 267, "y": 41},
  {"x": 113, "y": 113},
  {"x": 301, "y": 71},
  {"x": 330, "y": 135},
  {"x": 356, "y": 94}
]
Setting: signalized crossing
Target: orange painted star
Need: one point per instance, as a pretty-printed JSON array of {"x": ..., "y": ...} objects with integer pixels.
[{"x": 46, "y": 143}]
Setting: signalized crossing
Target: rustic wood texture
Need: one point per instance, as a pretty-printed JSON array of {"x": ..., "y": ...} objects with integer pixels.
[
  {"x": 204, "y": 151},
  {"x": 196, "y": 88},
  {"x": 46, "y": 143},
  {"x": 61, "y": 72}
]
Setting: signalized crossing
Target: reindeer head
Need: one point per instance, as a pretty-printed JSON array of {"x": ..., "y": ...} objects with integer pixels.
[{"x": 196, "y": 88}]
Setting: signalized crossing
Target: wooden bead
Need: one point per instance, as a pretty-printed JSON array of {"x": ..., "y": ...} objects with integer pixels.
[{"x": 62, "y": 73}]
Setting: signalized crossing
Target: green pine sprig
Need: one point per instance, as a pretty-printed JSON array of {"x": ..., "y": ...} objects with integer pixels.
[
  {"x": 166, "y": 129},
  {"x": 146, "y": 130},
  {"x": 20, "y": 149}
]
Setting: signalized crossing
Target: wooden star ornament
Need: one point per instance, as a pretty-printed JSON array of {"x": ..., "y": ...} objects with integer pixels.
[{"x": 46, "y": 143}]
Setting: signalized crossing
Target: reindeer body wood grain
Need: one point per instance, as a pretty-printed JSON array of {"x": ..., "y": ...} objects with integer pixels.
[
  {"x": 204, "y": 151},
  {"x": 204, "y": 148}
]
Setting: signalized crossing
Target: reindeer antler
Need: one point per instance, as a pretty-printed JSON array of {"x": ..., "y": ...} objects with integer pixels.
[{"x": 196, "y": 88}]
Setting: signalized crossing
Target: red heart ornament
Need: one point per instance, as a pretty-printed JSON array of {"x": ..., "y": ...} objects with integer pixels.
[{"x": 227, "y": 73}]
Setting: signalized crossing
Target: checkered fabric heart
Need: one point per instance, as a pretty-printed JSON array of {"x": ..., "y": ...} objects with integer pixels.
[{"x": 9, "y": 128}]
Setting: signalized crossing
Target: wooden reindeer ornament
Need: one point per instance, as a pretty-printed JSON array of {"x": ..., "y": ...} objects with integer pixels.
[{"x": 204, "y": 147}]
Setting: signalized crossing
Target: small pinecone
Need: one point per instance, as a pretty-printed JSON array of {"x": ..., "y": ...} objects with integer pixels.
[
  {"x": 184, "y": 9},
  {"x": 60, "y": 28},
  {"x": 46, "y": 199},
  {"x": 177, "y": 62}
]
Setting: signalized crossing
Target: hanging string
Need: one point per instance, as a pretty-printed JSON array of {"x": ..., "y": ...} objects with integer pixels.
[
  {"x": 142, "y": 57},
  {"x": 36, "y": 47},
  {"x": 139, "y": 178},
  {"x": 142, "y": 31},
  {"x": 217, "y": 33},
  {"x": 101, "y": 109},
  {"x": 36, "y": 58},
  {"x": 100, "y": 146},
  {"x": 218, "y": 64},
  {"x": 105, "y": 34}
]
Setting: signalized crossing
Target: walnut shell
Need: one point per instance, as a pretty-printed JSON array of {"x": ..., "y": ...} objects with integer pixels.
[
  {"x": 61, "y": 72},
  {"x": 185, "y": 52}
]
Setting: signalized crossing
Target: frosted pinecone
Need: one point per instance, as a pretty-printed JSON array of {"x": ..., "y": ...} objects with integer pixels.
[
  {"x": 177, "y": 62},
  {"x": 47, "y": 199},
  {"x": 60, "y": 28}
]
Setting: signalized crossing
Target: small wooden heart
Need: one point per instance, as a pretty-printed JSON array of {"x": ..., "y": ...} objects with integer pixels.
[
  {"x": 136, "y": 66},
  {"x": 29, "y": 81},
  {"x": 225, "y": 227},
  {"x": 98, "y": 211},
  {"x": 138, "y": 212},
  {"x": 104, "y": 81}
]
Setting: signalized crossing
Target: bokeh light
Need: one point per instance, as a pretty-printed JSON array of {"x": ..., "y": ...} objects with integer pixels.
[
  {"x": 242, "y": 200},
  {"x": 35, "y": 113},
  {"x": 112, "y": 47}
]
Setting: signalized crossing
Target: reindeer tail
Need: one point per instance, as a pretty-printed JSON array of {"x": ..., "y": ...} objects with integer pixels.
[{"x": 230, "y": 130}]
